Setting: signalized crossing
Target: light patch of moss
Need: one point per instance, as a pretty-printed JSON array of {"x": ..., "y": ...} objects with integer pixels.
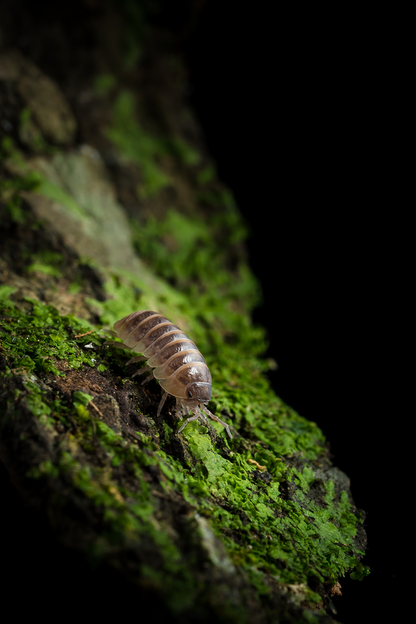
[
  {"x": 81, "y": 398},
  {"x": 75, "y": 286},
  {"x": 59, "y": 195},
  {"x": 34, "y": 181},
  {"x": 38, "y": 267},
  {"x": 5, "y": 292}
]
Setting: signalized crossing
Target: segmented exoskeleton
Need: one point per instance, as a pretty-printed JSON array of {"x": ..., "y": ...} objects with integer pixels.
[{"x": 176, "y": 362}]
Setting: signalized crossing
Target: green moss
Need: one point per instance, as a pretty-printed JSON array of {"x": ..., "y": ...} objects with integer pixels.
[
  {"x": 264, "y": 532},
  {"x": 58, "y": 194},
  {"x": 189, "y": 253},
  {"x": 145, "y": 149},
  {"x": 8, "y": 151},
  {"x": 206, "y": 175},
  {"x": 30, "y": 134},
  {"x": 24, "y": 118},
  {"x": 5, "y": 292},
  {"x": 35, "y": 341},
  {"x": 184, "y": 152},
  {"x": 81, "y": 398},
  {"x": 75, "y": 286},
  {"x": 10, "y": 188},
  {"x": 48, "y": 262},
  {"x": 137, "y": 145},
  {"x": 360, "y": 572},
  {"x": 104, "y": 83},
  {"x": 32, "y": 181}
]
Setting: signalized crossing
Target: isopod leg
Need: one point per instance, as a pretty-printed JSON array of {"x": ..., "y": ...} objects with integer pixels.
[
  {"x": 188, "y": 420},
  {"x": 161, "y": 404},
  {"x": 145, "y": 369},
  {"x": 149, "y": 378},
  {"x": 138, "y": 358},
  {"x": 115, "y": 343},
  {"x": 226, "y": 427},
  {"x": 181, "y": 408},
  {"x": 197, "y": 416},
  {"x": 142, "y": 370}
]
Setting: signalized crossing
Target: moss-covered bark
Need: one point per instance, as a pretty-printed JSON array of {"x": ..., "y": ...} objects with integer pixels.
[{"x": 111, "y": 204}]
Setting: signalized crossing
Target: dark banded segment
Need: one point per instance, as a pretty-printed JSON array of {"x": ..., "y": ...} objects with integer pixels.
[
  {"x": 177, "y": 361},
  {"x": 176, "y": 346},
  {"x": 177, "y": 382},
  {"x": 160, "y": 336},
  {"x": 129, "y": 323}
]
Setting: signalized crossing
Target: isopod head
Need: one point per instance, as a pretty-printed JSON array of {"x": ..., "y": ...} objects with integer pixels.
[{"x": 198, "y": 392}]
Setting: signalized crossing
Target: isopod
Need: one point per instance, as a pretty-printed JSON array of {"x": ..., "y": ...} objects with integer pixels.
[{"x": 176, "y": 362}]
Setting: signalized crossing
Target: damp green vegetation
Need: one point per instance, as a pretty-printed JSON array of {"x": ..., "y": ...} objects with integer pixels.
[
  {"x": 295, "y": 541},
  {"x": 30, "y": 180},
  {"x": 48, "y": 262},
  {"x": 137, "y": 145},
  {"x": 30, "y": 134},
  {"x": 57, "y": 194},
  {"x": 209, "y": 280},
  {"x": 36, "y": 341},
  {"x": 193, "y": 254},
  {"x": 142, "y": 147},
  {"x": 10, "y": 188}
]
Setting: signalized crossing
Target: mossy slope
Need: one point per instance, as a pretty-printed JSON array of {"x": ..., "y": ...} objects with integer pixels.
[{"x": 258, "y": 528}]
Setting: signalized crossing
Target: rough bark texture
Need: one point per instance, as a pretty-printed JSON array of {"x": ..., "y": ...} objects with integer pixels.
[{"x": 110, "y": 204}]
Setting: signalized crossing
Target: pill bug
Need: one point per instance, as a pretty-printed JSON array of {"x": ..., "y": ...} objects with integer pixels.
[{"x": 176, "y": 362}]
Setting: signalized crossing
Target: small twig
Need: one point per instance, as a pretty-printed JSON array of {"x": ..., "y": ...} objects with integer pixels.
[
  {"x": 86, "y": 334},
  {"x": 96, "y": 408},
  {"x": 253, "y": 461}
]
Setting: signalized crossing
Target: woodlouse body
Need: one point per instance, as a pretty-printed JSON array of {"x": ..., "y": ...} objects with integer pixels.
[{"x": 176, "y": 362}]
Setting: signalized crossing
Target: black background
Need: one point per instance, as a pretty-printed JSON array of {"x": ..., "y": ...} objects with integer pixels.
[{"x": 297, "y": 110}]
